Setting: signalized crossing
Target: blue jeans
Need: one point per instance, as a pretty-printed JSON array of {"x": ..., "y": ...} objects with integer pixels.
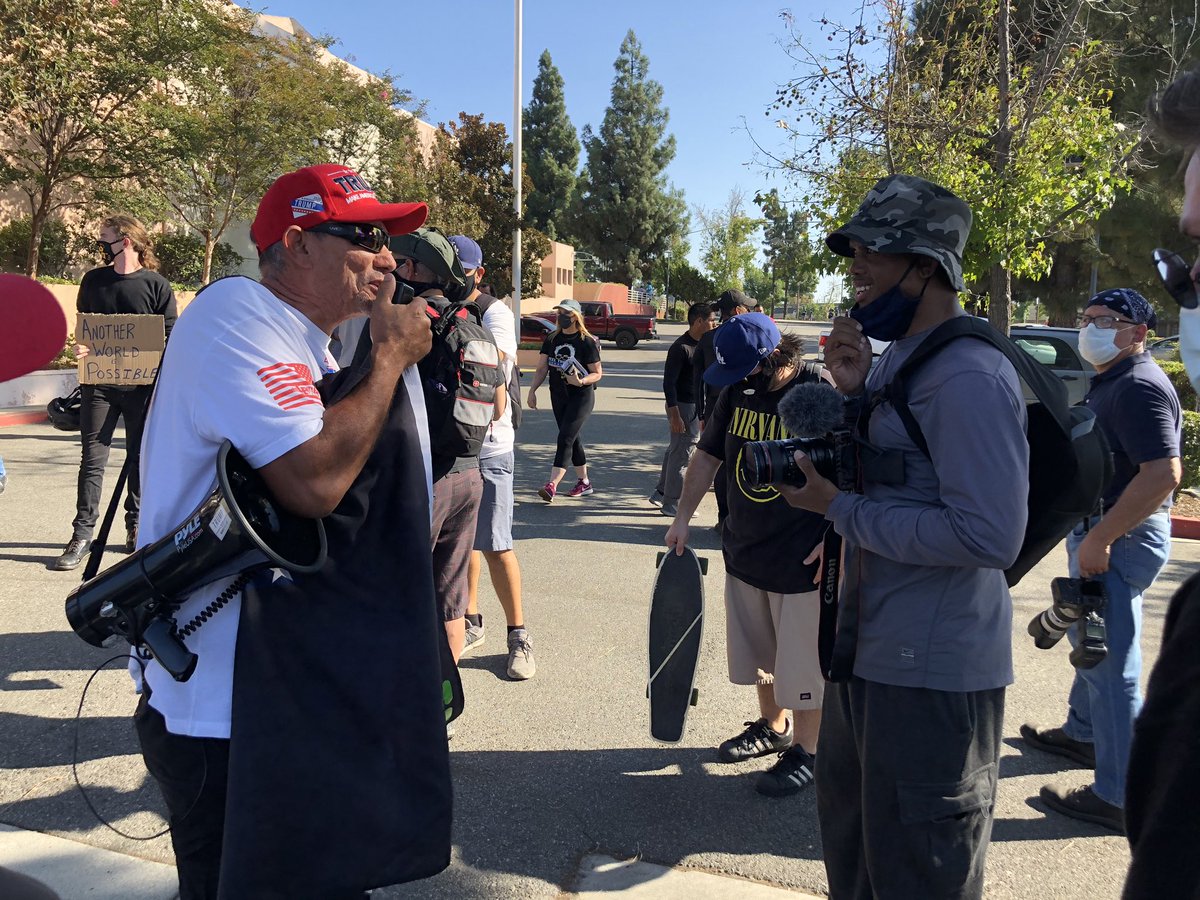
[{"x": 1106, "y": 699}]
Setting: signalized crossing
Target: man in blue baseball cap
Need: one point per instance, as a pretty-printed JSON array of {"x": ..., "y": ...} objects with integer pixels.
[
  {"x": 771, "y": 601},
  {"x": 1124, "y": 546}
]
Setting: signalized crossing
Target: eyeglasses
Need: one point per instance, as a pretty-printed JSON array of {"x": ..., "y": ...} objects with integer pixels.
[
  {"x": 1176, "y": 277},
  {"x": 369, "y": 237},
  {"x": 1105, "y": 322}
]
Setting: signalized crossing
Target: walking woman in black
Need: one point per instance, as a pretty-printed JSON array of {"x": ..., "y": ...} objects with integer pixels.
[{"x": 572, "y": 358}]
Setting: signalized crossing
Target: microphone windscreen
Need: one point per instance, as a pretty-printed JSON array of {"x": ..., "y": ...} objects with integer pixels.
[{"x": 811, "y": 409}]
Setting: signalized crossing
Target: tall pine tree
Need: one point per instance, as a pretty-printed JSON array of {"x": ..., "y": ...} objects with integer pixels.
[
  {"x": 551, "y": 151},
  {"x": 625, "y": 212}
]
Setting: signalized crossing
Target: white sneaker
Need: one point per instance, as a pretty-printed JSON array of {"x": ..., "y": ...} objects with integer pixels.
[
  {"x": 521, "y": 665},
  {"x": 475, "y": 637}
]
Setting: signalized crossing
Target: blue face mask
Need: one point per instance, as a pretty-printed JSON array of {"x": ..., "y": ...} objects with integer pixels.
[{"x": 889, "y": 316}]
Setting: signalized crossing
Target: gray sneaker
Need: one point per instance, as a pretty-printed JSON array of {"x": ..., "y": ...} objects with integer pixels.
[
  {"x": 475, "y": 637},
  {"x": 521, "y": 665}
]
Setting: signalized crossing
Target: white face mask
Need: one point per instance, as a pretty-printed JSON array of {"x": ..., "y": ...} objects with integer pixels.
[
  {"x": 1189, "y": 343},
  {"x": 1098, "y": 345}
]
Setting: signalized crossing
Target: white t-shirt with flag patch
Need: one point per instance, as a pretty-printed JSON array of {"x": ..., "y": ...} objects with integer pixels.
[{"x": 241, "y": 365}]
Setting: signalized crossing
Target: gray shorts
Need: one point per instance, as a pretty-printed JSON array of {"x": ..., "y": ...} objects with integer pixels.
[
  {"x": 493, "y": 532},
  {"x": 772, "y": 639}
]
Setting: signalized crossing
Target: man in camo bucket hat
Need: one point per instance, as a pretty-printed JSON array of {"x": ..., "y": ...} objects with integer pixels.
[
  {"x": 907, "y": 214},
  {"x": 911, "y": 726}
]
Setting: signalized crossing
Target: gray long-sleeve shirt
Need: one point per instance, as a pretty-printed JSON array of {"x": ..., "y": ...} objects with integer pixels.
[{"x": 933, "y": 607}]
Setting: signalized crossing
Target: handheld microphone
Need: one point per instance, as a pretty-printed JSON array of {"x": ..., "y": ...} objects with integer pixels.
[{"x": 811, "y": 410}]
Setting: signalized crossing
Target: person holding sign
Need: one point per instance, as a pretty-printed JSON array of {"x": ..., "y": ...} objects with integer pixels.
[{"x": 128, "y": 284}]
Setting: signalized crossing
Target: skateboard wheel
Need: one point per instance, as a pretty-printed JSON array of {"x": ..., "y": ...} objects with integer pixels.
[{"x": 695, "y": 700}]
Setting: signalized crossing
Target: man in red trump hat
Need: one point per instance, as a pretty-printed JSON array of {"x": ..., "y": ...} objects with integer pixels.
[{"x": 306, "y": 756}]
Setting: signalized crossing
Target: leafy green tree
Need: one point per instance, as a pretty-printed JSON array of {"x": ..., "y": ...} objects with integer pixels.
[
  {"x": 75, "y": 77},
  {"x": 625, "y": 212},
  {"x": 787, "y": 246},
  {"x": 689, "y": 285},
  {"x": 551, "y": 150},
  {"x": 727, "y": 242},
  {"x": 181, "y": 258},
  {"x": 1013, "y": 114},
  {"x": 256, "y": 107},
  {"x": 467, "y": 183}
]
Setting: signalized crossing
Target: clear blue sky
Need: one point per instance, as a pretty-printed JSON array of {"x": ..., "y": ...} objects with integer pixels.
[{"x": 718, "y": 63}]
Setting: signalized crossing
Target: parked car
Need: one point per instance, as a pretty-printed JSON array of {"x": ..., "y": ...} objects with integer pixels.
[
  {"x": 535, "y": 329},
  {"x": 1165, "y": 348},
  {"x": 602, "y": 322},
  {"x": 1055, "y": 348},
  {"x": 1058, "y": 350}
]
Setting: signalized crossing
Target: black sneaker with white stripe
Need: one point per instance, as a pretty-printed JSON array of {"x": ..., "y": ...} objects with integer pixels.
[
  {"x": 791, "y": 774},
  {"x": 757, "y": 740}
]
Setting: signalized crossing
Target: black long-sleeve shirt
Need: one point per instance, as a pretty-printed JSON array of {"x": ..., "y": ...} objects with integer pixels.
[
  {"x": 144, "y": 292},
  {"x": 703, "y": 357},
  {"x": 678, "y": 374}
]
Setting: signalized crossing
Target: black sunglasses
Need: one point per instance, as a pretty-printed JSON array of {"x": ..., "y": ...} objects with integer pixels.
[
  {"x": 1176, "y": 277},
  {"x": 369, "y": 237}
]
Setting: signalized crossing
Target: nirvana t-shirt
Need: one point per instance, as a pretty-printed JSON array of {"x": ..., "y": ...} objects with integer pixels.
[
  {"x": 564, "y": 347},
  {"x": 766, "y": 540}
]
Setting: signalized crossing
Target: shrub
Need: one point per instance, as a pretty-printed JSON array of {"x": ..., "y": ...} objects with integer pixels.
[
  {"x": 181, "y": 258},
  {"x": 1190, "y": 450},
  {"x": 57, "y": 248},
  {"x": 1183, "y": 385}
]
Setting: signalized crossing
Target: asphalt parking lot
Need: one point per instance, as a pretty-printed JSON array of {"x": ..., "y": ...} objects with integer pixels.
[{"x": 551, "y": 771}]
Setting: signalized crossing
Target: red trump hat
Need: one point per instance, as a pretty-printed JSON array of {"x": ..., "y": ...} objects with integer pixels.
[{"x": 327, "y": 193}]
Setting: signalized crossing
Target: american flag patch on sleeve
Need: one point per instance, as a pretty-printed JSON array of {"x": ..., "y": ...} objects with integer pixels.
[{"x": 291, "y": 385}]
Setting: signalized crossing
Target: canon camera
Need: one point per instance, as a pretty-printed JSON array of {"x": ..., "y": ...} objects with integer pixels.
[{"x": 1076, "y": 601}]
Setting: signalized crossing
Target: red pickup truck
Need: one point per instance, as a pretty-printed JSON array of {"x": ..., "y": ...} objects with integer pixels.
[{"x": 625, "y": 330}]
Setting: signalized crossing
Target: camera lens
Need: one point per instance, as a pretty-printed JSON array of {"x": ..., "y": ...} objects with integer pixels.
[{"x": 769, "y": 462}]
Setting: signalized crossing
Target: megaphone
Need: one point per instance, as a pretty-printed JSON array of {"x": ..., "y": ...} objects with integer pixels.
[{"x": 238, "y": 528}]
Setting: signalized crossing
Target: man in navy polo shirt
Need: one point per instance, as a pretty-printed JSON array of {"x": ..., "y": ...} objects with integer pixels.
[{"x": 1126, "y": 545}]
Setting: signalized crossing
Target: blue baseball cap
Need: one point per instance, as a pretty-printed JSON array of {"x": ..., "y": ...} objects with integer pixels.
[
  {"x": 469, "y": 253},
  {"x": 740, "y": 345}
]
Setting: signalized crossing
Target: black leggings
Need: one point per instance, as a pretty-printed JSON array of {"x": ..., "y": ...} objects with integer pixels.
[{"x": 571, "y": 410}]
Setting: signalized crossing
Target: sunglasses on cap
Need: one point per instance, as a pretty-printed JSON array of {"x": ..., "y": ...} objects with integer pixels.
[
  {"x": 1176, "y": 277},
  {"x": 369, "y": 237}
]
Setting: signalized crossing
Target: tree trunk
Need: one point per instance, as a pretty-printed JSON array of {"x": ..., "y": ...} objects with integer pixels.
[
  {"x": 209, "y": 245},
  {"x": 1000, "y": 298},
  {"x": 33, "y": 252}
]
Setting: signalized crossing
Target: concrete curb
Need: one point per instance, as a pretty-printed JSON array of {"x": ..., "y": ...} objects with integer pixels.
[
  {"x": 82, "y": 872},
  {"x": 602, "y": 876}
]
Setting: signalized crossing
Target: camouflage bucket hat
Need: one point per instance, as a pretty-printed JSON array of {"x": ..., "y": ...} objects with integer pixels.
[
  {"x": 433, "y": 249},
  {"x": 906, "y": 214}
]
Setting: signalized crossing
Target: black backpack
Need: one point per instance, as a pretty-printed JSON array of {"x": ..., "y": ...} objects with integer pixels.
[
  {"x": 514, "y": 381},
  {"x": 1070, "y": 464},
  {"x": 460, "y": 375}
]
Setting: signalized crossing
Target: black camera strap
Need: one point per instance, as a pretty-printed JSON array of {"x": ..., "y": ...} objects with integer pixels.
[
  {"x": 831, "y": 563},
  {"x": 96, "y": 553}
]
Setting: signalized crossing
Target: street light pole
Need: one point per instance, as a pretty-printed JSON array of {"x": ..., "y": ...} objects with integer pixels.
[{"x": 516, "y": 169}]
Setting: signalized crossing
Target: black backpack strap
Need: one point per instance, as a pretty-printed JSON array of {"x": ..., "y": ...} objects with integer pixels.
[{"x": 1049, "y": 391}]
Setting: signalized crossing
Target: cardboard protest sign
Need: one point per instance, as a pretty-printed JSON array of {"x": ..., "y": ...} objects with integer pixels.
[{"x": 124, "y": 349}]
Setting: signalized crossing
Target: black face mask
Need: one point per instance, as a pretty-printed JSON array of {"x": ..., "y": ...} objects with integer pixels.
[
  {"x": 458, "y": 294},
  {"x": 890, "y": 315},
  {"x": 107, "y": 250},
  {"x": 565, "y": 321},
  {"x": 419, "y": 287}
]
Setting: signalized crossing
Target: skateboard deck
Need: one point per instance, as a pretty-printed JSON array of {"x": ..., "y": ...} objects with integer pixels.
[{"x": 676, "y": 627}]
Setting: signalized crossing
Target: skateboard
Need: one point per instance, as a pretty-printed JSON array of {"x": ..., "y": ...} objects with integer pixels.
[{"x": 676, "y": 627}]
